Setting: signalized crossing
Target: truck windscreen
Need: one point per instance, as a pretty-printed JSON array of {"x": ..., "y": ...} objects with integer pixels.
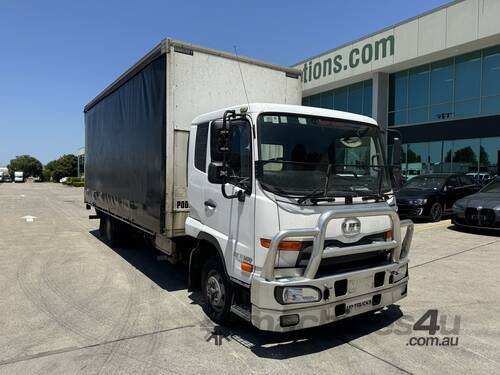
[{"x": 303, "y": 155}]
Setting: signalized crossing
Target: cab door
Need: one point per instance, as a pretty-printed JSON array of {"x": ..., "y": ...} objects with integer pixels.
[{"x": 231, "y": 221}]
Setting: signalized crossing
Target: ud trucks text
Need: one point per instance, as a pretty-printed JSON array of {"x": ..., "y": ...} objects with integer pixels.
[{"x": 284, "y": 214}]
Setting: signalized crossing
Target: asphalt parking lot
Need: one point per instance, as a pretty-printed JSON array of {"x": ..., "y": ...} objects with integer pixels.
[{"x": 70, "y": 303}]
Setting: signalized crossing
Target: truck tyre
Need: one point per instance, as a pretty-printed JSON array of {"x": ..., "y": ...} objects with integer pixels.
[
  {"x": 217, "y": 291},
  {"x": 107, "y": 229},
  {"x": 436, "y": 212}
]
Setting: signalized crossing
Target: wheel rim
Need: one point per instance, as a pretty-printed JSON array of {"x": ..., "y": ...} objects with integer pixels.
[
  {"x": 436, "y": 212},
  {"x": 215, "y": 291}
]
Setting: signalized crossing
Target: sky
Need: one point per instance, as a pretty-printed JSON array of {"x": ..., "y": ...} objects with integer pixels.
[{"x": 55, "y": 55}]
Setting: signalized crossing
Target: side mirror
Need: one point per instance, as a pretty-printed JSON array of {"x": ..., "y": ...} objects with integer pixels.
[
  {"x": 216, "y": 173},
  {"x": 221, "y": 134},
  {"x": 221, "y": 171},
  {"x": 223, "y": 141}
]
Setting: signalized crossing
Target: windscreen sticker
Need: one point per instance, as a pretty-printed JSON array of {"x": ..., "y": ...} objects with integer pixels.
[
  {"x": 268, "y": 118},
  {"x": 276, "y": 120},
  {"x": 283, "y": 119},
  {"x": 302, "y": 120}
]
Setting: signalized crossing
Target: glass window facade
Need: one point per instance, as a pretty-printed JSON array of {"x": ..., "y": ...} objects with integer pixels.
[
  {"x": 464, "y": 86},
  {"x": 355, "y": 98},
  {"x": 479, "y": 155}
]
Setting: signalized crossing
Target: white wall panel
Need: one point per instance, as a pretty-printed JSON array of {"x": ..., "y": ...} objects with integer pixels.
[
  {"x": 489, "y": 18},
  {"x": 406, "y": 36},
  {"x": 461, "y": 23},
  {"x": 432, "y": 32}
]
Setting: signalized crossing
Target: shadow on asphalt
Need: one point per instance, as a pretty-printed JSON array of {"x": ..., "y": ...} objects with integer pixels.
[
  {"x": 313, "y": 340},
  {"x": 151, "y": 262},
  {"x": 145, "y": 258},
  {"x": 478, "y": 231}
]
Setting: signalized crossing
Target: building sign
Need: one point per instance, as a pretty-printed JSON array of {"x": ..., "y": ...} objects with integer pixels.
[
  {"x": 356, "y": 56},
  {"x": 342, "y": 63}
]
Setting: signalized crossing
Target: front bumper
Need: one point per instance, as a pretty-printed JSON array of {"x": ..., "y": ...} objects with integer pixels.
[
  {"x": 412, "y": 211},
  {"x": 491, "y": 221},
  {"x": 342, "y": 295},
  {"x": 361, "y": 296}
]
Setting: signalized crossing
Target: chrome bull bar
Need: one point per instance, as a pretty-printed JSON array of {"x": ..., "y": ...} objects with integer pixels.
[{"x": 399, "y": 246}]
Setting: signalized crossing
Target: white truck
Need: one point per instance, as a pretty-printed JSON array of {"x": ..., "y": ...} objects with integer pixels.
[
  {"x": 18, "y": 176},
  {"x": 4, "y": 175},
  {"x": 284, "y": 214}
]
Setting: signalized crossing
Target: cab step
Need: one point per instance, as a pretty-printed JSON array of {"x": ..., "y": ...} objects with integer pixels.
[{"x": 242, "y": 311}]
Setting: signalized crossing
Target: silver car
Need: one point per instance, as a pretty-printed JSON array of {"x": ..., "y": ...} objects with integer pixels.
[{"x": 480, "y": 210}]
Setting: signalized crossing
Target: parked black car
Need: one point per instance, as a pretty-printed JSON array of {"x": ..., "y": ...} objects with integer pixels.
[
  {"x": 431, "y": 196},
  {"x": 480, "y": 210}
]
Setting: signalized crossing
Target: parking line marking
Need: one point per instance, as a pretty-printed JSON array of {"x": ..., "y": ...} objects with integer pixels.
[
  {"x": 451, "y": 255},
  {"x": 432, "y": 226},
  {"x": 75, "y": 348},
  {"x": 376, "y": 357}
]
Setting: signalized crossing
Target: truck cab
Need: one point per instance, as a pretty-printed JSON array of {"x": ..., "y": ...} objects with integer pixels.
[{"x": 296, "y": 208}]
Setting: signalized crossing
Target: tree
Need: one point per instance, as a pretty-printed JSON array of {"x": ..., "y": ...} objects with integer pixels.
[
  {"x": 465, "y": 155},
  {"x": 27, "y": 164},
  {"x": 483, "y": 156},
  {"x": 65, "y": 166},
  {"x": 413, "y": 157}
]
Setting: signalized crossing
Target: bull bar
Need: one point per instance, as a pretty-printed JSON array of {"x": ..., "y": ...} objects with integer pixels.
[
  {"x": 267, "y": 312},
  {"x": 318, "y": 233}
]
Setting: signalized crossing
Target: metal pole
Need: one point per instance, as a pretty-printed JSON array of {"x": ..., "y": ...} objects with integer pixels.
[{"x": 78, "y": 165}]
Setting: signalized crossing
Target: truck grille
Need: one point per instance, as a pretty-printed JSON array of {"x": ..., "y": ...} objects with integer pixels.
[
  {"x": 481, "y": 218},
  {"x": 346, "y": 263}
]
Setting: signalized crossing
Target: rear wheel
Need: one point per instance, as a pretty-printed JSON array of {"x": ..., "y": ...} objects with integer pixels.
[
  {"x": 108, "y": 229},
  {"x": 217, "y": 292},
  {"x": 436, "y": 212}
]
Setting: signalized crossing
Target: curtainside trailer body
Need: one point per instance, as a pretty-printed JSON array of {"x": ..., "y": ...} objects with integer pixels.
[{"x": 137, "y": 129}]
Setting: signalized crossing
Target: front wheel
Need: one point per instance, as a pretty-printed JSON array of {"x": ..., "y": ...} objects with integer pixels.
[
  {"x": 436, "y": 212},
  {"x": 217, "y": 292}
]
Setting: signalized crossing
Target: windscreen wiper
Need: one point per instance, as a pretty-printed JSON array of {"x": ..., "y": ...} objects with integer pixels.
[
  {"x": 330, "y": 197},
  {"x": 277, "y": 190},
  {"x": 316, "y": 193},
  {"x": 376, "y": 197}
]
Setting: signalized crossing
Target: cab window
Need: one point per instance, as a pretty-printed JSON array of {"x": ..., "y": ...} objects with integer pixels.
[{"x": 200, "y": 148}]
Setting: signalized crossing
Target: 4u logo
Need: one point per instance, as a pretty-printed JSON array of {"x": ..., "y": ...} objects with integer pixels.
[{"x": 431, "y": 322}]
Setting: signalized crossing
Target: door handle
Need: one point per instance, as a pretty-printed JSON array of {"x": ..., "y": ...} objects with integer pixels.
[{"x": 210, "y": 204}]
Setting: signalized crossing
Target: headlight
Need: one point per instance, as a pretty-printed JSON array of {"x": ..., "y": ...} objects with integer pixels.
[
  {"x": 296, "y": 294},
  {"x": 458, "y": 206},
  {"x": 418, "y": 202}
]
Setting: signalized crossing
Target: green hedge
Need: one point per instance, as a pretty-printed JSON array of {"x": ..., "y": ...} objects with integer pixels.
[{"x": 75, "y": 181}]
